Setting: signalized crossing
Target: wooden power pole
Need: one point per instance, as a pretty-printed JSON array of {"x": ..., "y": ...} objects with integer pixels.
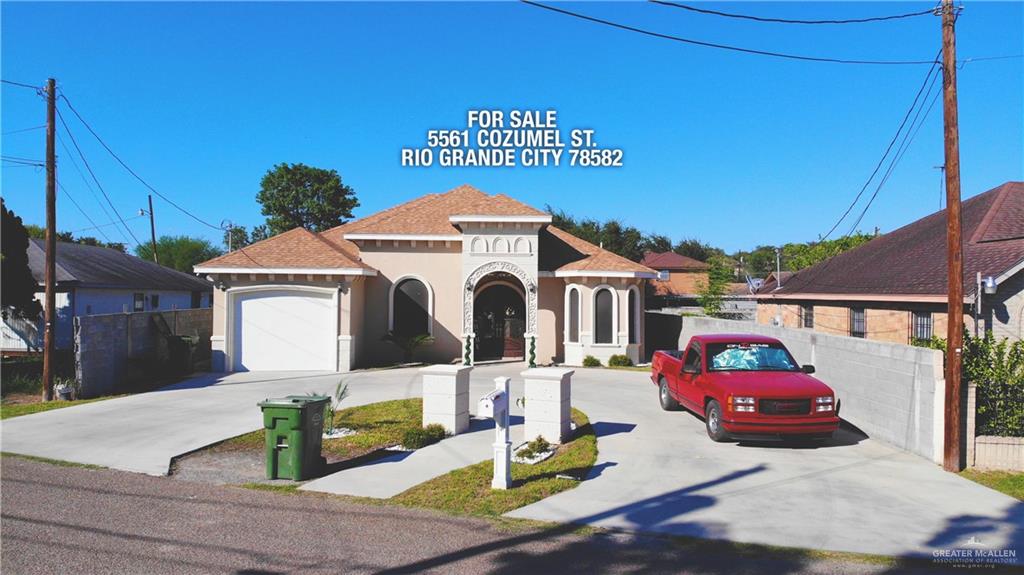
[
  {"x": 49, "y": 311},
  {"x": 954, "y": 248},
  {"x": 152, "y": 229}
]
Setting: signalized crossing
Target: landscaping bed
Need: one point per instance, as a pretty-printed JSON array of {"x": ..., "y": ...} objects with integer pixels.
[
  {"x": 468, "y": 490},
  {"x": 241, "y": 459}
]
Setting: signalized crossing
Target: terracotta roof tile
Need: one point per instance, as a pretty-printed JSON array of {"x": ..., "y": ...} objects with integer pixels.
[
  {"x": 562, "y": 251},
  {"x": 298, "y": 248},
  {"x": 912, "y": 259},
  {"x": 672, "y": 261}
]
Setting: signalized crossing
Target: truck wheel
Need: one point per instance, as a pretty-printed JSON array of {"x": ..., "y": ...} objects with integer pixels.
[
  {"x": 713, "y": 421},
  {"x": 668, "y": 403}
]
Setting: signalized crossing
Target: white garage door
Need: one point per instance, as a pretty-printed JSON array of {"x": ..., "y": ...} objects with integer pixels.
[{"x": 285, "y": 330}]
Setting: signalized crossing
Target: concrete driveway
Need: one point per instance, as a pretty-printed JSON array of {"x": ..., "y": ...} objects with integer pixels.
[{"x": 656, "y": 471}]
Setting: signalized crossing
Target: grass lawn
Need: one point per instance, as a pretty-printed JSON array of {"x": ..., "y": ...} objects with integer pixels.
[
  {"x": 14, "y": 409},
  {"x": 1008, "y": 482},
  {"x": 377, "y": 425},
  {"x": 468, "y": 490}
]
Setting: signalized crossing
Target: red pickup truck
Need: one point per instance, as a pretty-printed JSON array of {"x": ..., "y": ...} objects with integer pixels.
[{"x": 745, "y": 386}]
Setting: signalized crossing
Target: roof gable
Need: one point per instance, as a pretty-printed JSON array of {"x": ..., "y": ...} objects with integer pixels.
[
  {"x": 672, "y": 261},
  {"x": 295, "y": 249},
  {"x": 912, "y": 260}
]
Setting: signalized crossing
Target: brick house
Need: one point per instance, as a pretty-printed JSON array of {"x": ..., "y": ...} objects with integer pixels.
[
  {"x": 679, "y": 281},
  {"x": 893, "y": 288},
  {"x": 487, "y": 276}
]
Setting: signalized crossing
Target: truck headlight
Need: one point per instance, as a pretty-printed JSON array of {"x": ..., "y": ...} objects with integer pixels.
[
  {"x": 743, "y": 404},
  {"x": 824, "y": 403}
]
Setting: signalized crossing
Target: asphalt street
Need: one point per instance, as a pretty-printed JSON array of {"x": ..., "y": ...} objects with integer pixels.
[{"x": 70, "y": 519}]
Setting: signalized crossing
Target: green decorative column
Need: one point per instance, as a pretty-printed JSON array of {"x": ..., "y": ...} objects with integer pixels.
[
  {"x": 467, "y": 359},
  {"x": 533, "y": 351}
]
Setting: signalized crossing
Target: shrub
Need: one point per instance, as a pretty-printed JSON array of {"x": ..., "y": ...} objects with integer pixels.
[
  {"x": 619, "y": 360},
  {"x": 591, "y": 361},
  {"x": 997, "y": 368},
  {"x": 534, "y": 448},
  {"x": 418, "y": 437}
]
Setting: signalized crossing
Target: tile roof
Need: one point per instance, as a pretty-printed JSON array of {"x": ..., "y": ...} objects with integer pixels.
[
  {"x": 427, "y": 215},
  {"x": 298, "y": 248},
  {"x": 561, "y": 251},
  {"x": 912, "y": 259},
  {"x": 672, "y": 261},
  {"x": 93, "y": 266}
]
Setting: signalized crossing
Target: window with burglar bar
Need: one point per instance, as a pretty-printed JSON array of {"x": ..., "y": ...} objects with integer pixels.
[
  {"x": 858, "y": 325},
  {"x": 807, "y": 313},
  {"x": 922, "y": 325}
]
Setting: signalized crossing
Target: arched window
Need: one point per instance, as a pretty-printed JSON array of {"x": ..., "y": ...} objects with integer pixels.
[
  {"x": 411, "y": 300},
  {"x": 573, "y": 316},
  {"x": 634, "y": 315},
  {"x": 604, "y": 316}
]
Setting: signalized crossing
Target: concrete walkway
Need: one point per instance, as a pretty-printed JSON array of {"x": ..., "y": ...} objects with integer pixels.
[
  {"x": 391, "y": 475},
  {"x": 656, "y": 471}
]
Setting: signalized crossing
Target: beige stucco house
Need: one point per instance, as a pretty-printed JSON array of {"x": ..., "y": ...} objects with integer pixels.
[{"x": 487, "y": 276}]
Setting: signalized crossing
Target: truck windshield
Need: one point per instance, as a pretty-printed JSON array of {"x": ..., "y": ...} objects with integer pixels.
[{"x": 749, "y": 357}]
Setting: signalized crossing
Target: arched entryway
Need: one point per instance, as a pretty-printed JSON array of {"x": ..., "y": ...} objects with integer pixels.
[{"x": 499, "y": 318}]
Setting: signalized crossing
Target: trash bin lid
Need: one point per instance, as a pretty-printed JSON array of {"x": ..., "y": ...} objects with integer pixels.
[{"x": 293, "y": 401}]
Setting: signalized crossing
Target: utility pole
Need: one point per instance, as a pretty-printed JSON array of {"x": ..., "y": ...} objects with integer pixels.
[
  {"x": 152, "y": 229},
  {"x": 49, "y": 313},
  {"x": 954, "y": 248}
]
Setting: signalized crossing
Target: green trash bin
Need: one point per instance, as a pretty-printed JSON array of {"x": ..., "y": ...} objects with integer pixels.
[{"x": 294, "y": 435}]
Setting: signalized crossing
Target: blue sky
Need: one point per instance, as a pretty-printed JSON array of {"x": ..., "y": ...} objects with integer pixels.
[{"x": 737, "y": 150}]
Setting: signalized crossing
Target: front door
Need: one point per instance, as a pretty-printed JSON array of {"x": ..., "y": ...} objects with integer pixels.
[{"x": 499, "y": 322}]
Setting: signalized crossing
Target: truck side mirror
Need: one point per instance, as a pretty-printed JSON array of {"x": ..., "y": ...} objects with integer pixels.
[
  {"x": 807, "y": 369},
  {"x": 691, "y": 369}
]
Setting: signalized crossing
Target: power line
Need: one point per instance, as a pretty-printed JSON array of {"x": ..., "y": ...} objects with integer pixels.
[
  {"x": 888, "y": 149},
  {"x": 106, "y": 225},
  {"x": 95, "y": 179},
  {"x": 23, "y": 161},
  {"x": 132, "y": 172},
  {"x": 787, "y": 21},
  {"x": 85, "y": 180},
  {"x": 95, "y": 227},
  {"x": 24, "y": 130},
  {"x": 721, "y": 46},
  {"x": 22, "y": 85}
]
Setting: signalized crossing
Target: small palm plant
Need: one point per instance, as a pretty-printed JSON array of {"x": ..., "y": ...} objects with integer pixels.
[
  {"x": 340, "y": 393},
  {"x": 408, "y": 343}
]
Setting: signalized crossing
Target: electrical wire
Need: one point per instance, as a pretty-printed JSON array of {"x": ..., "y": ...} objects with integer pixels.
[
  {"x": 23, "y": 162},
  {"x": 132, "y": 172},
  {"x": 95, "y": 227},
  {"x": 720, "y": 46},
  {"x": 95, "y": 179},
  {"x": 892, "y": 142},
  {"x": 930, "y": 11},
  {"x": 81, "y": 174},
  {"x": 22, "y": 85},
  {"x": 24, "y": 130}
]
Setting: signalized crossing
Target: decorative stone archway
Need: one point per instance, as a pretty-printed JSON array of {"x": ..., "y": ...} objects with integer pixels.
[{"x": 469, "y": 293}]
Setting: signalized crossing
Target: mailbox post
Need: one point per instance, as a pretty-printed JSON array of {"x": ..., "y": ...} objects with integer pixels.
[{"x": 496, "y": 405}]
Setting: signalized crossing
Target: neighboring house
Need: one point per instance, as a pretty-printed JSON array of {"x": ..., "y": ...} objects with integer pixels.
[
  {"x": 93, "y": 280},
  {"x": 679, "y": 280},
  {"x": 487, "y": 276},
  {"x": 893, "y": 288}
]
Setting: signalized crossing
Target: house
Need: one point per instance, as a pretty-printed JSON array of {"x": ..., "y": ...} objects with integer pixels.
[
  {"x": 486, "y": 276},
  {"x": 679, "y": 280},
  {"x": 893, "y": 288},
  {"x": 93, "y": 280}
]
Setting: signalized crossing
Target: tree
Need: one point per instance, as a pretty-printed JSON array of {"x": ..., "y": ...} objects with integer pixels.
[
  {"x": 236, "y": 237},
  {"x": 656, "y": 243},
  {"x": 297, "y": 195},
  {"x": 711, "y": 293},
  {"x": 39, "y": 233},
  {"x": 18, "y": 294},
  {"x": 696, "y": 249},
  {"x": 612, "y": 235},
  {"x": 179, "y": 252}
]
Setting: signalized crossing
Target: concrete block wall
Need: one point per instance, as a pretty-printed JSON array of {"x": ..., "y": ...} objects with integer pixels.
[
  {"x": 115, "y": 351},
  {"x": 446, "y": 396},
  {"x": 893, "y": 392}
]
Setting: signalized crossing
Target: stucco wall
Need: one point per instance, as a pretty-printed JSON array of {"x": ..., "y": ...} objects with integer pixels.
[
  {"x": 550, "y": 320},
  {"x": 893, "y": 392},
  {"x": 620, "y": 346},
  {"x": 440, "y": 266}
]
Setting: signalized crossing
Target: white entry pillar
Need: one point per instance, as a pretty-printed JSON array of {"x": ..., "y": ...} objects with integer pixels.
[
  {"x": 446, "y": 396},
  {"x": 495, "y": 405},
  {"x": 548, "y": 410}
]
